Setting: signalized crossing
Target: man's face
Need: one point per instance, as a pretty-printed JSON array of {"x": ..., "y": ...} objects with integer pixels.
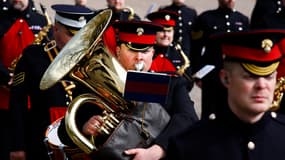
[
  {"x": 164, "y": 38},
  {"x": 129, "y": 58},
  {"x": 20, "y": 5},
  {"x": 227, "y": 3},
  {"x": 248, "y": 94},
  {"x": 61, "y": 35},
  {"x": 116, "y": 4}
]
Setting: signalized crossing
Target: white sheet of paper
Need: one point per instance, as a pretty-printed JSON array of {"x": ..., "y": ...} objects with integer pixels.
[{"x": 203, "y": 71}]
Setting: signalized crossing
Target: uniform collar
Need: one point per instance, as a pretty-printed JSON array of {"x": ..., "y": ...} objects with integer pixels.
[
  {"x": 225, "y": 10},
  {"x": 228, "y": 118},
  {"x": 161, "y": 50},
  {"x": 173, "y": 5}
]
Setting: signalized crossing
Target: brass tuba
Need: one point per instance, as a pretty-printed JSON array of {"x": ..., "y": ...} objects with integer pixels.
[{"x": 85, "y": 59}]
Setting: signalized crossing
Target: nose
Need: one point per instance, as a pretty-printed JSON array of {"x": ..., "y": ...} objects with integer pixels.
[
  {"x": 166, "y": 33},
  {"x": 139, "y": 56},
  {"x": 261, "y": 82}
]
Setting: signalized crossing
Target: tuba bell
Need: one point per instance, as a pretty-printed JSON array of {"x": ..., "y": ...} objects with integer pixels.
[{"x": 85, "y": 59}]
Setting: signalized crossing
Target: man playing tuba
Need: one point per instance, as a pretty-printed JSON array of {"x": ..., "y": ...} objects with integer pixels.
[{"x": 134, "y": 51}]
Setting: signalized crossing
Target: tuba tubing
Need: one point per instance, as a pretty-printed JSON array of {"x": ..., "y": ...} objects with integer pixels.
[
  {"x": 132, "y": 12},
  {"x": 77, "y": 137}
]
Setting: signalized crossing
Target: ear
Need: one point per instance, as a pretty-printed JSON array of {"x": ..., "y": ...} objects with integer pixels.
[
  {"x": 118, "y": 50},
  {"x": 224, "y": 77},
  {"x": 55, "y": 28}
]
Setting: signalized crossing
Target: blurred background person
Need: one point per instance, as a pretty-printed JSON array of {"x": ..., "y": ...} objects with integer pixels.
[
  {"x": 223, "y": 19},
  {"x": 29, "y": 125},
  {"x": 169, "y": 56},
  {"x": 263, "y": 8},
  {"x": 186, "y": 17},
  {"x": 20, "y": 23}
]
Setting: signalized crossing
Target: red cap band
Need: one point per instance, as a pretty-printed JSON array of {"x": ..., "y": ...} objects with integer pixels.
[
  {"x": 258, "y": 56},
  {"x": 138, "y": 39},
  {"x": 165, "y": 22}
]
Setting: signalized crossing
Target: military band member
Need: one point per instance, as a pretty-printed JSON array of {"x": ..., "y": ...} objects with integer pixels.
[
  {"x": 223, "y": 19},
  {"x": 263, "y": 8},
  {"x": 136, "y": 40},
  {"x": 275, "y": 20},
  {"x": 246, "y": 129},
  {"x": 168, "y": 57},
  {"x": 29, "y": 125},
  {"x": 20, "y": 22},
  {"x": 185, "y": 20},
  {"x": 179, "y": 105}
]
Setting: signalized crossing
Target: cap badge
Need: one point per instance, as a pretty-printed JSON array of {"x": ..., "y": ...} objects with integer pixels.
[
  {"x": 167, "y": 17},
  {"x": 82, "y": 18},
  {"x": 267, "y": 44},
  {"x": 140, "y": 31}
]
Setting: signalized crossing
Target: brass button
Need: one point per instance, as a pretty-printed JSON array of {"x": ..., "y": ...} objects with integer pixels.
[
  {"x": 251, "y": 145},
  {"x": 212, "y": 116}
]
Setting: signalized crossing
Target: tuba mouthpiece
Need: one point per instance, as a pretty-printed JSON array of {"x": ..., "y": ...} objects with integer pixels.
[{"x": 139, "y": 66}]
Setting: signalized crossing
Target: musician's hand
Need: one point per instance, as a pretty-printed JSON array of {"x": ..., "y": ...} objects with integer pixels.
[
  {"x": 18, "y": 155},
  {"x": 154, "y": 152},
  {"x": 92, "y": 126}
]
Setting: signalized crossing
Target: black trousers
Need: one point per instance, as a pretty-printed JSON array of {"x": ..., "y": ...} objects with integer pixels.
[{"x": 4, "y": 135}]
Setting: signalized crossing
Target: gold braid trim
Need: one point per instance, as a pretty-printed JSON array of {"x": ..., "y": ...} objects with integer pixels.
[
  {"x": 44, "y": 32},
  {"x": 182, "y": 69},
  {"x": 278, "y": 94},
  {"x": 18, "y": 78}
]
